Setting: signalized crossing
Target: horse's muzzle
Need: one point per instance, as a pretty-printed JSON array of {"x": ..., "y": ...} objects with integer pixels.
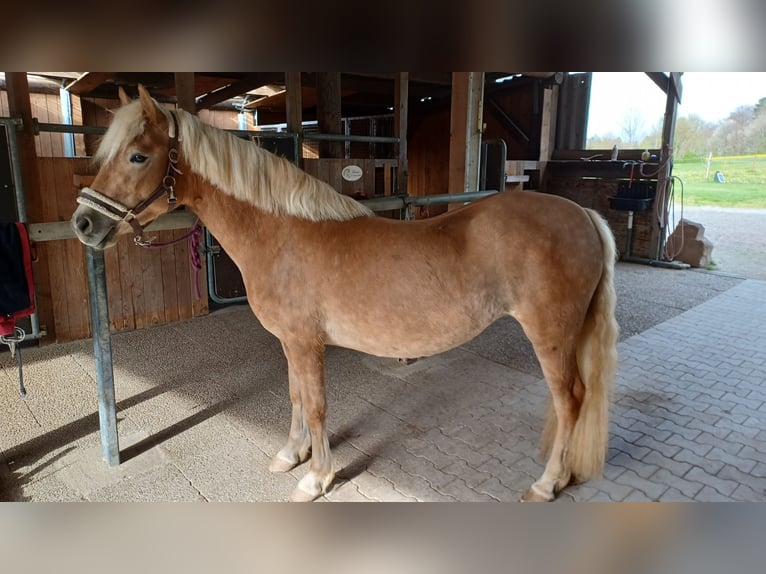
[{"x": 93, "y": 229}]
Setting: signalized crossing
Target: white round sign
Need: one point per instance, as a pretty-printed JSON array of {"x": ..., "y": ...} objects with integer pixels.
[{"x": 351, "y": 173}]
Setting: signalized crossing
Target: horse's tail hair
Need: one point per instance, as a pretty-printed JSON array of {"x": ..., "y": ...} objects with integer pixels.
[{"x": 597, "y": 364}]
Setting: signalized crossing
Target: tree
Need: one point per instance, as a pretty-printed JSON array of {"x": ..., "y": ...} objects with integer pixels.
[
  {"x": 730, "y": 137},
  {"x": 692, "y": 136},
  {"x": 632, "y": 126}
]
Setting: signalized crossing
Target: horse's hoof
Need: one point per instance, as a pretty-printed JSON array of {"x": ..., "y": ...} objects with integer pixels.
[
  {"x": 311, "y": 487},
  {"x": 299, "y": 495},
  {"x": 532, "y": 495},
  {"x": 281, "y": 464}
]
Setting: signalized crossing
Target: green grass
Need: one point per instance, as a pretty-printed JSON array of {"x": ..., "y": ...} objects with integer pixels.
[{"x": 745, "y": 181}]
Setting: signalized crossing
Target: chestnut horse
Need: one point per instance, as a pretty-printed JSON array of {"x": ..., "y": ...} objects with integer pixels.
[{"x": 305, "y": 257}]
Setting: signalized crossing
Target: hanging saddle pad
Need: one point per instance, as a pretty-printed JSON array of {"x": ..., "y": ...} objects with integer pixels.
[{"x": 16, "y": 285}]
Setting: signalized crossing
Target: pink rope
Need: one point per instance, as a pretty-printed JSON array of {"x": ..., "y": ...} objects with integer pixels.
[{"x": 194, "y": 257}]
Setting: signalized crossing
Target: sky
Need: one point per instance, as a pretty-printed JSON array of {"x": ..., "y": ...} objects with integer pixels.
[{"x": 710, "y": 95}]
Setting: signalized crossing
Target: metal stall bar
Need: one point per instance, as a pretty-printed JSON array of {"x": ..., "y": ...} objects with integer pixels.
[
  {"x": 402, "y": 201},
  {"x": 102, "y": 352}
]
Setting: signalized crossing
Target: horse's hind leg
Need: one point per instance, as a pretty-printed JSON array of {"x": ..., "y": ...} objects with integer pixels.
[
  {"x": 306, "y": 370},
  {"x": 560, "y": 369}
]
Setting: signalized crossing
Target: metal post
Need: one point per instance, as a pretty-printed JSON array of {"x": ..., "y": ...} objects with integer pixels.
[
  {"x": 21, "y": 207},
  {"x": 102, "y": 351}
]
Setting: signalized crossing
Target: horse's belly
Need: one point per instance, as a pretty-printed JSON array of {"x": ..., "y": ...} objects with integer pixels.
[{"x": 404, "y": 339}]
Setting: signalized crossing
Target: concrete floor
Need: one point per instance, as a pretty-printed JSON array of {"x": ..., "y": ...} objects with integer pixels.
[{"x": 203, "y": 405}]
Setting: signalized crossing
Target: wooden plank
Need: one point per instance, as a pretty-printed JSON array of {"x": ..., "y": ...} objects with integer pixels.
[
  {"x": 127, "y": 316},
  {"x": 183, "y": 285},
  {"x": 136, "y": 281},
  {"x": 62, "y": 195},
  {"x": 57, "y": 257},
  {"x": 169, "y": 288},
  {"x": 56, "y": 230},
  {"x": 154, "y": 298}
]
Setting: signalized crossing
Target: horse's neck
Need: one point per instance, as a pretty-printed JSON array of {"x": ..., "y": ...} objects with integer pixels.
[{"x": 236, "y": 224}]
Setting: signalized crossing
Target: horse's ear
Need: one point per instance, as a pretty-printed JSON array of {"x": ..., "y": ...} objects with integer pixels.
[
  {"x": 149, "y": 107},
  {"x": 124, "y": 99}
]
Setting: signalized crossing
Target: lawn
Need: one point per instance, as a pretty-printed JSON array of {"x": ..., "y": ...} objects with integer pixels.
[{"x": 745, "y": 182}]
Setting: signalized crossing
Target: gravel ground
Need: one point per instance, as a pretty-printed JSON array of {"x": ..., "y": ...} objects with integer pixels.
[{"x": 738, "y": 237}]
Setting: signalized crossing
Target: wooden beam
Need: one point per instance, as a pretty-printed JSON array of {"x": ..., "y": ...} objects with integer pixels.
[
  {"x": 58, "y": 230},
  {"x": 329, "y": 113},
  {"x": 668, "y": 83},
  {"x": 466, "y": 119},
  {"x": 185, "y": 96},
  {"x": 231, "y": 91},
  {"x": 401, "y": 107},
  {"x": 657, "y": 241},
  {"x": 548, "y": 127},
  {"x": 89, "y": 81}
]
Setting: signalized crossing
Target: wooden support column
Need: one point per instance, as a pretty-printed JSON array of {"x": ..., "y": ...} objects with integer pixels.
[
  {"x": 401, "y": 107},
  {"x": 329, "y": 113},
  {"x": 294, "y": 111},
  {"x": 185, "y": 92},
  {"x": 674, "y": 91},
  {"x": 466, "y": 125},
  {"x": 548, "y": 128}
]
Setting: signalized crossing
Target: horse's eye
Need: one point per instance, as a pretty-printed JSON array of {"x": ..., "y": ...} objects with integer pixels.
[{"x": 138, "y": 158}]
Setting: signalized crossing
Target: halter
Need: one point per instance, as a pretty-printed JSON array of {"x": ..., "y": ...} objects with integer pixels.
[{"x": 118, "y": 212}]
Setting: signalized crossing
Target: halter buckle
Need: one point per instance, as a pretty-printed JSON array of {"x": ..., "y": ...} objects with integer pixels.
[{"x": 141, "y": 242}]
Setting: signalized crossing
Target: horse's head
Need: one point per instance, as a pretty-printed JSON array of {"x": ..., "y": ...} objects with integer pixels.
[{"x": 137, "y": 158}]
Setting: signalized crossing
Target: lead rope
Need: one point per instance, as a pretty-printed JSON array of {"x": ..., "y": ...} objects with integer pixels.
[{"x": 13, "y": 345}]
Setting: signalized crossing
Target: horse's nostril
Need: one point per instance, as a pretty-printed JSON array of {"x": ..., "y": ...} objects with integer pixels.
[{"x": 84, "y": 224}]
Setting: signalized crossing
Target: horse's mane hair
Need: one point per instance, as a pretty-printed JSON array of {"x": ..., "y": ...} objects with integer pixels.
[{"x": 239, "y": 168}]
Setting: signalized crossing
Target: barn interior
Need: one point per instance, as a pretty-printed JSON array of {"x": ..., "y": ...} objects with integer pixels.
[{"x": 206, "y": 405}]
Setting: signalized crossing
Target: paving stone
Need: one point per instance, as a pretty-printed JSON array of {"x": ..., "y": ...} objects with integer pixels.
[
  {"x": 377, "y": 488},
  {"x": 708, "y": 494},
  {"x": 725, "y": 487},
  {"x": 744, "y": 493},
  {"x": 470, "y": 475},
  {"x": 700, "y": 449},
  {"x": 459, "y": 490},
  {"x": 756, "y": 483},
  {"x": 674, "y": 495},
  {"x": 652, "y": 490},
  {"x": 687, "y": 487},
  {"x": 346, "y": 491},
  {"x": 672, "y": 466},
  {"x": 707, "y": 465},
  {"x": 614, "y": 491},
  {"x": 742, "y": 464},
  {"x": 650, "y": 443}
]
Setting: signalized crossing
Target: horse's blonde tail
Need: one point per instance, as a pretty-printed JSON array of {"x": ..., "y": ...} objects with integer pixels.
[{"x": 597, "y": 364}]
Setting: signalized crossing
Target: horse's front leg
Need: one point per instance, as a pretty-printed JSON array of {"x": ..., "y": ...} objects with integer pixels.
[
  {"x": 305, "y": 361},
  {"x": 298, "y": 444}
]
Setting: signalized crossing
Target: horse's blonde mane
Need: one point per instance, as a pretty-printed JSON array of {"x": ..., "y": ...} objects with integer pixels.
[{"x": 239, "y": 168}]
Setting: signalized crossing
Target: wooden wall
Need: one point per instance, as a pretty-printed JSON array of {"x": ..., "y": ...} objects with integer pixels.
[
  {"x": 145, "y": 286},
  {"x": 47, "y": 109},
  {"x": 591, "y": 184}
]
